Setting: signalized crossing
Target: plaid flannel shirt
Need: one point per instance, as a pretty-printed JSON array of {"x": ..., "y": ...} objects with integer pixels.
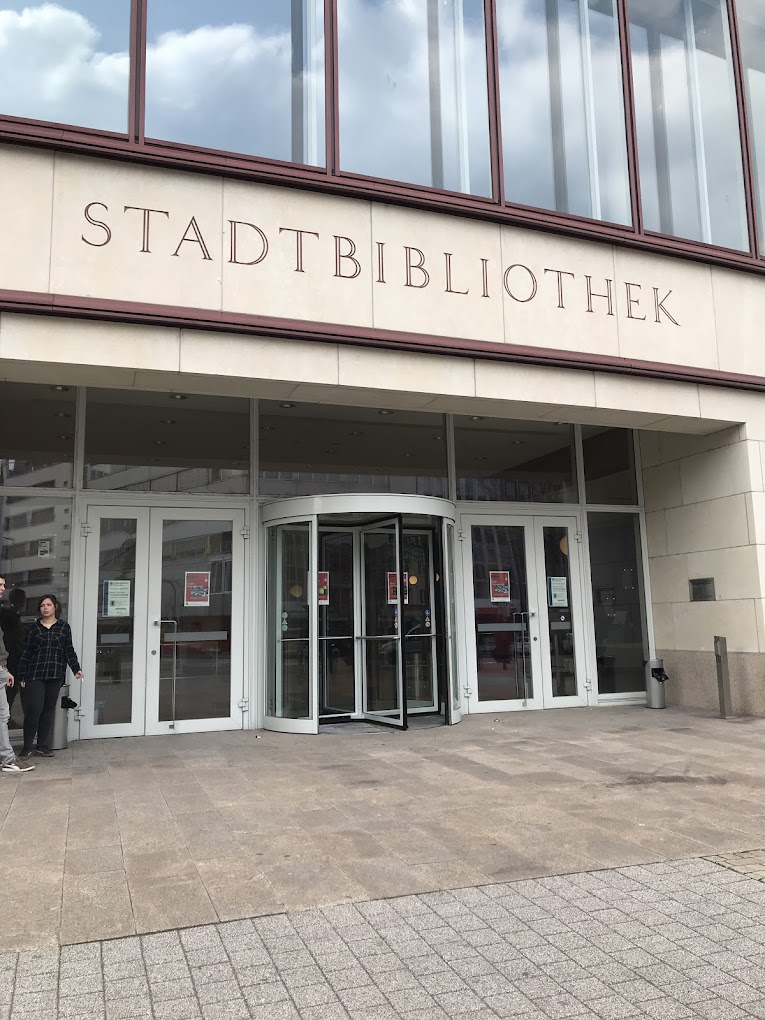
[{"x": 47, "y": 653}]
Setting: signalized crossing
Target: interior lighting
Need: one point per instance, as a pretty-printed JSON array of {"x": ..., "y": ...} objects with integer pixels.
[
  {"x": 178, "y": 396},
  {"x": 476, "y": 417},
  {"x": 287, "y": 404},
  {"x": 60, "y": 389},
  {"x": 385, "y": 412},
  {"x": 167, "y": 421}
]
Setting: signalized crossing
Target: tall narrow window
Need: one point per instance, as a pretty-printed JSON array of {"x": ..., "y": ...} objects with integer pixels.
[
  {"x": 413, "y": 92},
  {"x": 689, "y": 149},
  {"x": 751, "y": 24},
  {"x": 67, "y": 62},
  {"x": 238, "y": 76},
  {"x": 563, "y": 127}
]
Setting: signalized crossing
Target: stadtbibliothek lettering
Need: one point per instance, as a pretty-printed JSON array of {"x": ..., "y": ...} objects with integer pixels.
[{"x": 247, "y": 245}]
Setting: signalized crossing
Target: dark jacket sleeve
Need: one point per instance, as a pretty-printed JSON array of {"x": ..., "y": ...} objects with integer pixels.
[
  {"x": 27, "y": 656},
  {"x": 69, "y": 652}
]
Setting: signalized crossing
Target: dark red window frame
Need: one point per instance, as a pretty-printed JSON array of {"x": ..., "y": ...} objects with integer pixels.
[{"x": 133, "y": 146}]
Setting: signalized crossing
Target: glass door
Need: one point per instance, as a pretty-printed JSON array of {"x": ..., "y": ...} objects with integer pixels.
[
  {"x": 385, "y": 595},
  {"x": 291, "y": 691},
  {"x": 195, "y": 668},
  {"x": 112, "y": 699},
  {"x": 505, "y": 664},
  {"x": 561, "y": 619},
  {"x": 337, "y": 623},
  {"x": 453, "y": 692}
]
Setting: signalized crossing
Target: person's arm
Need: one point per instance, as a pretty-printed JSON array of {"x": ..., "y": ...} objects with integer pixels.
[
  {"x": 69, "y": 652},
  {"x": 26, "y": 656}
]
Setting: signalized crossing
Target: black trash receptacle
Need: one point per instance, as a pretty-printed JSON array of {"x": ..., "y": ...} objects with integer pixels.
[{"x": 61, "y": 722}]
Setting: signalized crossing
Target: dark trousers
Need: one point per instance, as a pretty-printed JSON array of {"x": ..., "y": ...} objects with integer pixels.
[{"x": 38, "y": 700}]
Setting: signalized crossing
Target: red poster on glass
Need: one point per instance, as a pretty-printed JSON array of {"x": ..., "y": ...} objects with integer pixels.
[
  {"x": 323, "y": 587},
  {"x": 499, "y": 585},
  {"x": 196, "y": 590},
  {"x": 393, "y": 588}
]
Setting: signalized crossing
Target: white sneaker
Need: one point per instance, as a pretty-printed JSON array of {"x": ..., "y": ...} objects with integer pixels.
[{"x": 16, "y": 765}]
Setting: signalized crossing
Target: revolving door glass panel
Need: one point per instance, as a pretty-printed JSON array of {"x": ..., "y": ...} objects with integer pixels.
[
  {"x": 337, "y": 624},
  {"x": 289, "y": 622},
  {"x": 383, "y": 695}
]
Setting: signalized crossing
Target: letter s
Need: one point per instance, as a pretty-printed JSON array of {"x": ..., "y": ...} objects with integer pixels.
[{"x": 97, "y": 223}]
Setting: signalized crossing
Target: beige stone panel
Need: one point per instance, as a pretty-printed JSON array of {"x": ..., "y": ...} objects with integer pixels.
[
  {"x": 649, "y": 449},
  {"x": 654, "y": 396},
  {"x": 669, "y": 578},
  {"x": 756, "y": 517},
  {"x": 693, "y": 342},
  {"x": 431, "y": 309},
  {"x": 119, "y": 270},
  {"x": 656, "y": 533},
  {"x": 274, "y": 286},
  {"x": 79, "y": 342},
  {"x": 351, "y": 396},
  {"x": 561, "y": 386},
  {"x": 722, "y": 472},
  {"x": 44, "y": 373},
  {"x": 737, "y": 572},
  {"x": 663, "y": 626},
  {"x": 540, "y": 322},
  {"x": 523, "y": 410},
  {"x": 759, "y": 610},
  {"x": 398, "y": 371},
  {"x": 675, "y": 446},
  {"x": 212, "y": 385},
  {"x": 687, "y": 426},
  {"x": 605, "y": 417},
  {"x": 739, "y": 307},
  {"x": 739, "y": 406},
  {"x": 255, "y": 358},
  {"x": 661, "y": 487},
  {"x": 697, "y": 623},
  {"x": 25, "y": 202},
  {"x": 714, "y": 524}
]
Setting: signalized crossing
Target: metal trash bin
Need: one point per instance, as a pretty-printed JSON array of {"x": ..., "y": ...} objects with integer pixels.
[
  {"x": 655, "y": 678},
  {"x": 61, "y": 722}
]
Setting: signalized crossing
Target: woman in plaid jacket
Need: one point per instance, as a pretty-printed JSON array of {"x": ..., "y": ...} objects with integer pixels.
[{"x": 41, "y": 672}]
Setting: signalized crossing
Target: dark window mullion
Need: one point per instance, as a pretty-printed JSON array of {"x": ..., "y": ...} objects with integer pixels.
[
  {"x": 630, "y": 119},
  {"x": 495, "y": 115},
  {"x": 138, "y": 70},
  {"x": 752, "y": 198}
]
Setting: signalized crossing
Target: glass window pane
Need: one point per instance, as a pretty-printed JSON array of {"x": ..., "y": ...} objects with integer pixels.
[
  {"x": 310, "y": 449},
  {"x": 413, "y": 92},
  {"x": 501, "y": 614},
  {"x": 689, "y": 148},
  {"x": 751, "y": 24},
  {"x": 618, "y": 602},
  {"x": 563, "y": 127},
  {"x": 559, "y": 610},
  {"x": 337, "y": 677},
  {"x": 609, "y": 465},
  {"x": 37, "y": 444},
  {"x": 37, "y": 536},
  {"x": 195, "y": 652},
  {"x": 66, "y": 62},
  {"x": 115, "y": 621},
  {"x": 155, "y": 442},
  {"x": 514, "y": 461},
  {"x": 238, "y": 76},
  {"x": 289, "y": 644}
]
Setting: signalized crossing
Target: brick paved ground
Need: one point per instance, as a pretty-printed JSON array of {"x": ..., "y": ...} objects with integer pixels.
[{"x": 664, "y": 941}]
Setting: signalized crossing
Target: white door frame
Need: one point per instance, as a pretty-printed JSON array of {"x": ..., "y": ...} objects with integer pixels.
[
  {"x": 538, "y": 628},
  {"x": 146, "y": 605}
]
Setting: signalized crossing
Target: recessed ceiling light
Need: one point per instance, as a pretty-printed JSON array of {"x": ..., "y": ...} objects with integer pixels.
[
  {"x": 66, "y": 435},
  {"x": 476, "y": 417},
  {"x": 286, "y": 404},
  {"x": 159, "y": 442},
  {"x": 266, "y": 428},
  {"x": 409, "y": 455},
  {"x": 167, "y": 421},
  {"x": 385, "y": 412},
  {"x": 178, "y": 396},
  {"x": 60, "y": 389},
  {"x": 357, "y": 433},
  {"x": 61, "y": 414},
  {"x": 437, "y": 438},
  {"x": 519, "y": 442},
  {"x": 480, "y": 458}
]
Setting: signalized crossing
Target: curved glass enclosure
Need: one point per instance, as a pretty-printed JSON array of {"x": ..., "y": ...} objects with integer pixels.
[{"x": 360, "y": 618}]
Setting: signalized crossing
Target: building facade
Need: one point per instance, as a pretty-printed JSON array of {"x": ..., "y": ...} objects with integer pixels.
[{"x": 380, "y": 360}]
